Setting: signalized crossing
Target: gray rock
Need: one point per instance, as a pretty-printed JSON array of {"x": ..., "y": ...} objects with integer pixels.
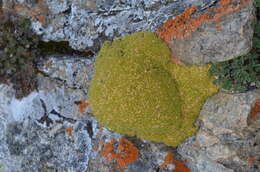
[
  {"x": 150, "y": 155},
  {"x": 225, "y": 141},
  {"x": 76, "y": 73},
  {"x": 33, "y": 132},
  {"x": 87, "y": 23},
  {"x": 215, "y": 39},
  {"x": 46, "y": 131}
]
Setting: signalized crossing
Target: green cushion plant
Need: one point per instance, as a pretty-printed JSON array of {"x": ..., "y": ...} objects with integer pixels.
[
  {"x": 137, "y": 91},
  {"x": 243, "y": 73}
]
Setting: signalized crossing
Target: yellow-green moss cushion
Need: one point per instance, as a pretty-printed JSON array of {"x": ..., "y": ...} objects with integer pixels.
[{"x": 136, "y": 90}]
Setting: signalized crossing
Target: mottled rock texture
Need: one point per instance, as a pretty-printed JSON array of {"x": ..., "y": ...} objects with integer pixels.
[
  {"x": 52, "y": 129},
  {"x": 222, "y": 32},
  {"x": 87, "y": 23},
  {"x": 228, "y": 140},
  {"x": 47, "y": 131},
  {"x": 128, "y": 154}
]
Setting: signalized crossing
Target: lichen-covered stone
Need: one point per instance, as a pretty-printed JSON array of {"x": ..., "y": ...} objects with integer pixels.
[
  {"x": 227, "y": 140},
  {"x": 138, "y": 92},
  {"x": 33, "y": 132},
  {"x": 45, "y": 131},
  {"x": 87, "y": 23},
  {"x": 75, "y": 72},
  {"x": 222, "y": 32}
]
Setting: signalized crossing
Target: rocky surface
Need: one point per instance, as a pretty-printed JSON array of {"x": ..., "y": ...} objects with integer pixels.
[
  {"x": 52, "y": 129},
  {"x": 47, "y": 131},
  {"x": 87, "y": 23},
  {"x": 219, "y": 33},
  {"x": 228, "y": 139}
]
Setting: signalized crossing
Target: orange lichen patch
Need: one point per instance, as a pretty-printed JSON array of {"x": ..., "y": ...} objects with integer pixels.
[
  {"x": 184, "y": 25},
  {"x": 112, "y": 170},
  {"x": 41, "y": 19},
  {"x": 82, "y": 106},
  {"x": 226, "y": 7},
  {"x": 124, "y": 153},
  {"x": 127, "y": 153},
  {"x": 69, "y": 131},
  {"x": 179, "y": 166},
  {"x": 167, "y": 160},
  {"x": 177, "y": 28},
  {"x": 256, "y": 109},
  {"x": 108, "y": 150}
]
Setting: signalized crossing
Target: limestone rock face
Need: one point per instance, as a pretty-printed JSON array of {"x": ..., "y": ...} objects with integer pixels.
[
  {"x": 228, "y": 140},
  {"x": 87, "y": 23},
  {"x": 219, "y": 33}
]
